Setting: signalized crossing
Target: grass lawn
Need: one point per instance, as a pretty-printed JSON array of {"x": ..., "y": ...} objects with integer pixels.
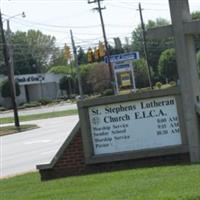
[
  {"x": 7, "y": 130},
  {"x": 39, "y": 116},
  {"x": 158, "y": 183}
]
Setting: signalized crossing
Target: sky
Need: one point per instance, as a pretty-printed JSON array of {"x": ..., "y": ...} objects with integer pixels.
[{"x": 57, "y": 17}]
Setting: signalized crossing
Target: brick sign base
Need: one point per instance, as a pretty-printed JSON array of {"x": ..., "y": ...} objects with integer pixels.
[{"x": 69, "y": 160}]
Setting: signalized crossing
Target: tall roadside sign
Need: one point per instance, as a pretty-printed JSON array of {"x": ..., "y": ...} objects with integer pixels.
[{"x": 123, "y": 69}]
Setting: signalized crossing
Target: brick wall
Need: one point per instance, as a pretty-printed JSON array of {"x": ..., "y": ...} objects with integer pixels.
[
  {"x": 73, "y": 158},
  {"x": 71, "y": 162}
]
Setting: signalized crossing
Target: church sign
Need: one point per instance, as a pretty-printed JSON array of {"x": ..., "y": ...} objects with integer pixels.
[
  {"x": 162, "y": 125},
  {"x": 135, "y": 124}
]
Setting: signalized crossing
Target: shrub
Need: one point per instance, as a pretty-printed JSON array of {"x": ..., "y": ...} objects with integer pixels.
[
  {"x": 108, "y": 92},
  {"x": 141, "y": 73},
  {"x": 5, "y": 89},
  {"x": 66, "y": 84},
  {"x": 45, "y": 101},
  {"x": 85, "y": 71},
  {"x": 167, "y": 65},
  {"x": 31, "y": 104},
  {"x": 158, "y": 85},
  {"x": 61, "y": 70},
  {"x": 63, "y": 83},
  {"x": 141, "y": 90},
  {"x": 99, "y": 78},
  {"x": 172, "y": 83},
  {"x": 2, "y": 108}
]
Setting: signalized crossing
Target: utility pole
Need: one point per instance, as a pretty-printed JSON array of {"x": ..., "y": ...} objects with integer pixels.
[
  {"x": 99, "y": 9},
  {"x": 77, "y": 65},
  {"x": 10, "y": 72},
  {"x": 145, "y": 47},
  {"x": 10, "y": 50}
]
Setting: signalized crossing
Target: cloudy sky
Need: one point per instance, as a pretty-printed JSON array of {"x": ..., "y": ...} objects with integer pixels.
[{"x": 57, "y": 17}]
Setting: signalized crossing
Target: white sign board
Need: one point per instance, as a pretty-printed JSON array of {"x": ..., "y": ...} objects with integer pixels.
[
  {"x": 123, "y": 57},
  {"x": 135, "y": 125},
  {"x": 122, "y": 67},
  {"x": 29, "y": 79}
]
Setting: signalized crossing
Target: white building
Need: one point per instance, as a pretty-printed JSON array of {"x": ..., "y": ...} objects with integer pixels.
[{"x": 34, "y": 87}]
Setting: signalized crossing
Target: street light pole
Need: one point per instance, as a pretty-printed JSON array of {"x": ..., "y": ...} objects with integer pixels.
[
  {"x": 10, "y": 73},
  {"x": 77, "y": 66}
]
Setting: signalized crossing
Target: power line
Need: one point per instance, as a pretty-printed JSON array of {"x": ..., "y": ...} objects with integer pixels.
[{"x": 77, "y": 27}]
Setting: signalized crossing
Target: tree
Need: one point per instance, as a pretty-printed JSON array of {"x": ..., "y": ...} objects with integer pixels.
[
  {"x": 127, "y": 47},
  {"x": 99, "y": 78},
  {"x": 141, "y": 73},
  {"x": 115, "y": 50},
  {"x": 118, "y": 46},
  {"x": 58, "y": 58},
  {"x": 33, "y": 51},
  {"x": 5, "y": 89},
  {"x": 69, "y": 72},
  {"x": 23, "y": 60},
  {"x": 81, "y": 56},
  {"x": 85, "y": 71},
  {"x": 167, "y": 65},
  {"x": 154, "y": 47},
  {"x": 62, "y": 70},
  {"x": 196, "y": 15},
  {"x": 65, "y": 84}
]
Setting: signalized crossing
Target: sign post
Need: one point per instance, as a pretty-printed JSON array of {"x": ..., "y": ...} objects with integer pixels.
[
  {"x": 116, "y": 82},
  {"x": 183, "y": 29},
  {"x": 133, "y": 76}
]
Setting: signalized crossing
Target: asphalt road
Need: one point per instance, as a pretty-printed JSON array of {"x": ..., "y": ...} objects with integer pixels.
[{"x": 20, "y": 153}]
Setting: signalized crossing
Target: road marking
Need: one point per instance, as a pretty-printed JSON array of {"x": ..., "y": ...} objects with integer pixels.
[{"x": 37, "y": 142}]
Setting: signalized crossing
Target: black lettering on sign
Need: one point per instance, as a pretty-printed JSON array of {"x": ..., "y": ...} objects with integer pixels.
[
  {"x": 102, "y": 145},
  {"x": 119, "y": 109},
  {"x": 172, "y": 119},
  {"x": 162, "y": 126},
  {"x": 149, "y": 114},
  {"x": 124, "y": 137},
  {"x": 176, "y": 130},
  {"x": 162, "y": 120},
  {"x": 95, "y": 111},
  {"x": 162, "y": 132},
  {"x": 156, "y": 103},
  {"x": 110, "y": 119},
  {"x": 174, "y": 125}
]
